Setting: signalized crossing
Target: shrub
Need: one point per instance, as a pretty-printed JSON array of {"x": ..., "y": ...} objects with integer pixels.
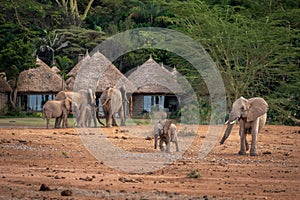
[{"x": 194, "y": 174}]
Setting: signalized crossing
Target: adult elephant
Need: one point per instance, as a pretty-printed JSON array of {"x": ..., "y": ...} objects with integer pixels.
[
  {"x": 112, "y": 103},
  {"x": 57, "y": 109},
  {"x": 251, "y": 115},
  {"x": 81, "y": 102}
]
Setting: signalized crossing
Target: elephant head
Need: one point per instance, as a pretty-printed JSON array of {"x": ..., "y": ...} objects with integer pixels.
[
  {"x": 247, "y": 109},
  {"x": 106, "y": 97}
]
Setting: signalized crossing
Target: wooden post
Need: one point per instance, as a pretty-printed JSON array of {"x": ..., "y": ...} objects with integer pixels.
[{"x": 130, "y": 107}]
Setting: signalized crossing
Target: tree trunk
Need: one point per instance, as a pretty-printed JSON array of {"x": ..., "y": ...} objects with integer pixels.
[{"x": 13, "y": 98}]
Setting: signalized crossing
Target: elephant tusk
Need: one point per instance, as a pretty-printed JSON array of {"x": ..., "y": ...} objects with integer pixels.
[
  {"x": 233, "y": 122},
  {"x": 226, "y": 122}
]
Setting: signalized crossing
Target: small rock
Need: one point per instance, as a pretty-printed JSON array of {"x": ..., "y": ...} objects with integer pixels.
[
  {"x": 286, "y": 154},
  {"x": 66, "y": 193},
  {"x": 267, "y": 152},
  {"x": 148, "y": 138},
  {"x": 44, "y": 188},
  {"x": 86, "y": 179}
]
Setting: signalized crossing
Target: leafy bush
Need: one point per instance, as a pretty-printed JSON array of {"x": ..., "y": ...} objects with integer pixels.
[{"x": 194, "y": 174}]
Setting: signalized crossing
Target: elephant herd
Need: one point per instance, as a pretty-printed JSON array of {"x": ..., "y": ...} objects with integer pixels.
[
  {"x": 251, "y": 115},
  {"x": 84, "y": 107}
]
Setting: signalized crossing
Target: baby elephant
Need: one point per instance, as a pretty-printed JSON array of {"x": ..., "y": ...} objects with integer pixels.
[
  {"x": 166, "y": 131},
  {"x": 57, "y": 109}
]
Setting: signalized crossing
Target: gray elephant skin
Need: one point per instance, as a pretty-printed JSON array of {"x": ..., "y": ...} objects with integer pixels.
[
  {"x": 112, "y": 103},
  {"x": 57, "y": 109},
  {"x": 82, "y": 101},
  {"x": 251, "y": 115},
  {"x": 166, "y": 132}
]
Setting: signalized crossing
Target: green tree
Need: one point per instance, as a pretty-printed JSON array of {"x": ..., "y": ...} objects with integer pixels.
[{"x": 72, "y": 11}]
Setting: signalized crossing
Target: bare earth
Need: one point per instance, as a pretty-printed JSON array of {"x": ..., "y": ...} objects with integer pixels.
[{"x": 58, "y": 159}]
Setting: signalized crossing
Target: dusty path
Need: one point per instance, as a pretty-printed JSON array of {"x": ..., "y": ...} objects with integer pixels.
[{"x": 58, "y": 159}]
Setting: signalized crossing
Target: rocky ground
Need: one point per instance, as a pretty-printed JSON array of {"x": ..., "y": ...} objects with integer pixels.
[{"x": 36, "y": 163}]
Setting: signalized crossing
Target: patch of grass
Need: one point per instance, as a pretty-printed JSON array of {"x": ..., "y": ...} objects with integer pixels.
[
  {"x": 194, "y": 174},
  {"x": 29, "y": 122},
  {"x": 186, "y": 132},
  {"x": 65, "y": 154}
]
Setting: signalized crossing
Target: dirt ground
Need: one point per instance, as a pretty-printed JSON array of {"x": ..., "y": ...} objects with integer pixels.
[{"x": 36, "y": 163}]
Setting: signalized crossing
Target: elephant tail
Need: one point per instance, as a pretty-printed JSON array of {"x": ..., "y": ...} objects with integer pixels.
[
  {"x": 98, "y": 116},
  {"x": 43, "y": 114}
]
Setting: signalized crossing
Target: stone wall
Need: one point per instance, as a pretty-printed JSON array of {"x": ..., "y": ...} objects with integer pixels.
[
  {"x": 138, "y": 104},
  {"x": 3, "y": 101}
]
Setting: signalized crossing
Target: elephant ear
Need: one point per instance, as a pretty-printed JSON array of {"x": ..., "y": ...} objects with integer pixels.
[
  {"x": 92, "y": 96},
  {"x": 257, "y": 107},
  {"x": 75, "y": 107},
  {"x": 68, "y": 104}
]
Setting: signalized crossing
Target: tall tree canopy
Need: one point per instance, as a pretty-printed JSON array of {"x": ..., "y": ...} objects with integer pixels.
[{"x": 255, "y": 44}]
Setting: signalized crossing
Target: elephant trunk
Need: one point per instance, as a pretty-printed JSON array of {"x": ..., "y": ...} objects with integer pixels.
[
  {"x": 155, "y": 141},
  {"x": 232, "y": 120},
  {"x": 105, "y": 102},
  {"x": 227, "y": 133}
]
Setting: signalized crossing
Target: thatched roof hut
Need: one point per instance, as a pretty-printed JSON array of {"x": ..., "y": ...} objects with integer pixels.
[
  {"x": 39, "y": 80},
  {"x": 4, "y": 86},
  {"x": 152, "y": 78},
  {"x": 96, "y": 69},
  {"x": 72, "y": 74}
]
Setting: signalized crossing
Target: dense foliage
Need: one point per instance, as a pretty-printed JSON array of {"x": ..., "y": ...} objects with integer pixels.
[{"x": 255, "y": 44}]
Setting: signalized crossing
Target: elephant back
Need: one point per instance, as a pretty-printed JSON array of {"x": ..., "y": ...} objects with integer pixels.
[{"x": 61, "y": 95}]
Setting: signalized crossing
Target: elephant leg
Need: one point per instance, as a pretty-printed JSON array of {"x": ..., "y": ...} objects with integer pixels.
[
  {"x": 58, "y": 122},
  {"x": 114, "y": 121},
  {"x": 247, "y": 145},
  {"x": 176, "y": 144},
  {"x": 63, "y": 123},
  {"x": 242, "y": 140},
  {"x": 253, "y": 143},
  {"x": 108, "y": 121},
  {"x": 161, "y": 144},
  {"x": 168, "y": 141},
  {"x": 66, "y": 122},
  {"x": 94, "y": 116},
  {"x": 168, "y": 146},
  {"x": 47, "y": 122},
  {"x": 122, "y": 116}
]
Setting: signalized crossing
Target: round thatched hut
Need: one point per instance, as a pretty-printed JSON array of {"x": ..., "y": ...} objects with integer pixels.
[
  {"x": 154, "y": 86},
  {"x": 37, "y": 85},
  {"x": 5, "y": 89},
  {"x": 72, "y": 74},
  {"x": 96, "y": 72}
]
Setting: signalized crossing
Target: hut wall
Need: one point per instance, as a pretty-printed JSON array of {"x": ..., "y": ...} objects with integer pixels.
[
  {"x": 138, "y": 104},
  {"x": 3, "y": 101}
]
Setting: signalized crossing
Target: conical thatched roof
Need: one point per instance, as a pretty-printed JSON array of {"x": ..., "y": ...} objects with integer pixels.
[
  {"x": 152, "y": 78},
  {"x": 4, "y": 86},
  {"x": 70, "y": 81},
  {"x": 98, "y": 73},
  {"x": 39, "y": 80}
]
